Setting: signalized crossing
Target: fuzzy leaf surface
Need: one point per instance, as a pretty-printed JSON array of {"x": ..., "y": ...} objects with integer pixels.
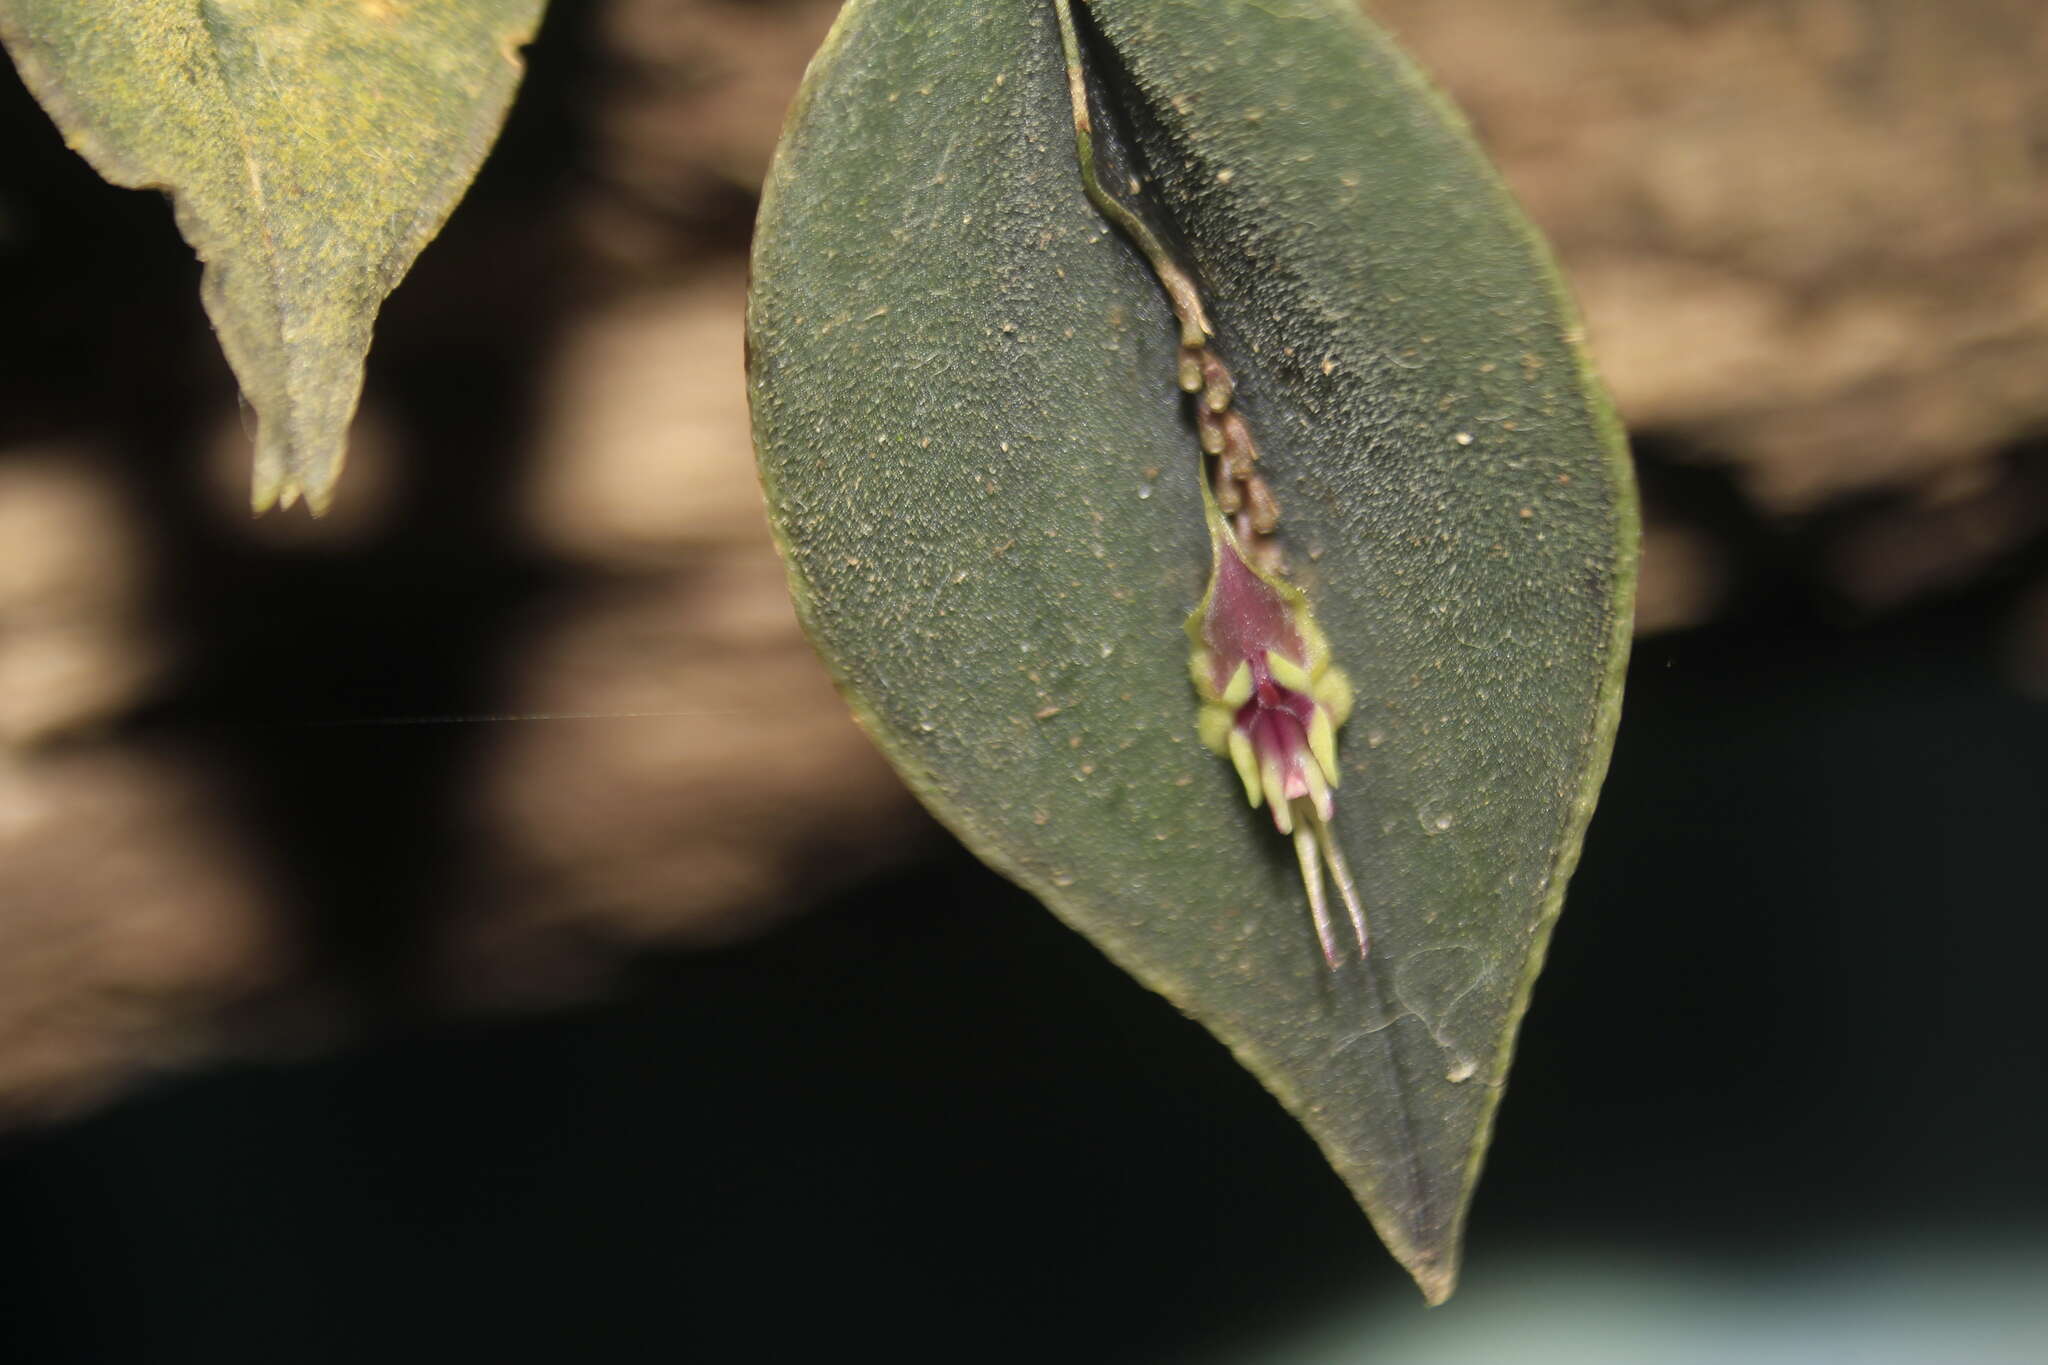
[
  {"x": 311, "y": 147},
  {"x": 986, "y": 486}
]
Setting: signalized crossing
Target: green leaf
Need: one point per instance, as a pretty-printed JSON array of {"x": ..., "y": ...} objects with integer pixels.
[
  {"x": 986, "y": 485},
  {"x": 313, "y": 147}
]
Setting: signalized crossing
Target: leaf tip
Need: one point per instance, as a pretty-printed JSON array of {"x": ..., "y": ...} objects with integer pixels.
[
  {"x": 267, "y": 489},
  {"x": 1424, "y": 1231},
  {"x": 319, "y": 494},
  {"x": 279, "y": 481},
  {"x": 1437, "y": 1284},
  {"x": 1434, "y": 1269}
]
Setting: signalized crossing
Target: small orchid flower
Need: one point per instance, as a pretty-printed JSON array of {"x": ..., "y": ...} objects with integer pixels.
[{"x": 1271, "y": 701}]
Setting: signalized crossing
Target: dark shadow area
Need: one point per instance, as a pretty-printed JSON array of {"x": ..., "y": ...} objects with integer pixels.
[{"x": 1790, "y": 1006}]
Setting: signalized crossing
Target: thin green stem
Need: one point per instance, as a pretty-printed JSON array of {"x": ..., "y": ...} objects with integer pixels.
[
  {"x": 1178, "y": 284},
  {"x": 1240, "y": 492}
]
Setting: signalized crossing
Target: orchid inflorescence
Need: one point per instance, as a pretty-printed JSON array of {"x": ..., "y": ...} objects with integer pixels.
[{"x": 1271, "y": 699}]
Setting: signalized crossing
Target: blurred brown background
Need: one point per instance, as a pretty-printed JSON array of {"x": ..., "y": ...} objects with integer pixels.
[
  {"x": 1810, "y": 238},
  {"x": 531, "y": 700}
]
